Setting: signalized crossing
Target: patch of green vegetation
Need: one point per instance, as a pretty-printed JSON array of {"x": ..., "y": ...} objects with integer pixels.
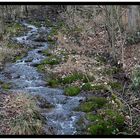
[
  {"x": 19, "y": 56},
  {"x": 102, "y": 128},
  {"x": 114, "y": 117},
  {"x": 115, "y": 85},
  {"x": 54, "y": 31},
  {"x": 6, "y": 86},
  {"x": 14, "y": 28},
  {"x": 87, "y": 106},
  {"x": 53, "y": 82},
  {"x": 87, "y": 86},
  {"x": 41, "y": 67},
  {"x": 93, "y": 87},
  {"x": 106, "y": 123},
  {"x": 51, "y": 60},
  {"x": 72, "y": 91},
  {"x": 71, "y": 78},
  {"x": 92, "y": 117},
  {"x": 93, "y": 104}
]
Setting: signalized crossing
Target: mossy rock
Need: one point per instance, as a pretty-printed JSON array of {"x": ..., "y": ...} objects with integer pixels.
[
  {"x": 72, "y": 91},
  {"x": 93, "y": 103}
]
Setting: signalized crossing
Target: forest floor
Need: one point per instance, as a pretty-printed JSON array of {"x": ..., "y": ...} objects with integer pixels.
[{"x": 111, "y": 107}]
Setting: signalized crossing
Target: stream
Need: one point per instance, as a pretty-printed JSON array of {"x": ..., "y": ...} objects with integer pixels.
[{"x": 25, "y": 78}]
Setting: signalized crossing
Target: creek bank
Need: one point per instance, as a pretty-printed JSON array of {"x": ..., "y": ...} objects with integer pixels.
[{"x": 101, "y": 84}]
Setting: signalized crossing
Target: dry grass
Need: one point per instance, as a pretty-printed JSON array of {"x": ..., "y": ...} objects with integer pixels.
[{"x": 20, "y": 115}]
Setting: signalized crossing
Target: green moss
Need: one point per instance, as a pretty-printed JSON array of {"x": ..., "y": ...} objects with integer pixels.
[
  {"x": 92, "y": 104},
  {"x": 87, "y": 87},
  {"x": 106, "y": 123},
  {"x": 72, "y": 91},
  {"x": 6, "y": 86},
  {"x": 71, "y": 78},
  {"x": 100, "y": 101},
  {"x": 115, "y": 85},
  {"x": 92, "y": 117},
  {"x": 19, "y": 56},
  {"x": 14, "y": 28},
  {"x": 41, "y": 67},
  {"x": 102, "y": 128},
  {"x": 54, "y": 31},
  {"x": 114, "y": 117},
  {"x": 52, "y": 60},
  {"x": 87, "y": 106},
  {"x": 53, "y": 82}
]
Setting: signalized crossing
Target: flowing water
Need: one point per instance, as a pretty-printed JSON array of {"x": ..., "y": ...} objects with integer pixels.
[{"x": 24, "y": 77}]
